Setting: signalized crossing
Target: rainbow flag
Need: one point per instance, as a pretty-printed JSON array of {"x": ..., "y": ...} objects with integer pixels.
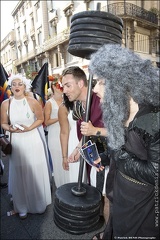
[{"x": 5, "y": 91}]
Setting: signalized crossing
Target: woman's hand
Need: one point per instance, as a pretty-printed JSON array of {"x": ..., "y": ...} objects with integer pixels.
[
  {"x": 14, "y": 130},
  {"x": 98, "y": 168},
  {"x": 74, "y": 157},
  {"x": 26, "y": 129},
  {"x": 65, "y": 164}
]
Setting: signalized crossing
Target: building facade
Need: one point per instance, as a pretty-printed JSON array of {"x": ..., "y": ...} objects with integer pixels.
[{"x": 42, "y": 28}]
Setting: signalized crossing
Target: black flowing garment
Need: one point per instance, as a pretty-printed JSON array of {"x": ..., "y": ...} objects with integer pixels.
[{"x": 136, "y": 181}]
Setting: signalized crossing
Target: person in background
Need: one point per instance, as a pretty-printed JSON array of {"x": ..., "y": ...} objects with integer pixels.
[
  {"x": 131, "y": 113},
  {"x": 43, "y": 133},
  {"x": 68, "y": 138},
  {"x": 49, "y": 93},
  {"x": 52, "y": 122},
  {"x": 28, "y": 173}
]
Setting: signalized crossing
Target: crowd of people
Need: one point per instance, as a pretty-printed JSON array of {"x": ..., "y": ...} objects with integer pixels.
[{"x": 124, "y": 124}]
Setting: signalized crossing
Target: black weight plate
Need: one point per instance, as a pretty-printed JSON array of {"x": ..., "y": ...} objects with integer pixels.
[
  {"x": 88, "y": 33},
  {"x": 85, "y": 50},
  {"x": 100, "y": 27},
  {"x": 94, "y": 40},
  {"x": 76, "y": 214},
  {"x": 72, "y": 210},
  {"x": 94, "y": 27},
  {"x": 65, "y": 197},
  {"x": 69, "y": 224},
  {"x": 76, "y": 222},
  {"x": 100, "y": 21},
  {"x": 68, "y": 228},
  {"x": 99, "y": 14}
]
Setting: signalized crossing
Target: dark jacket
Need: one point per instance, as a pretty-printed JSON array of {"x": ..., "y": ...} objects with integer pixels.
[
  {"x": 136, "y": 177},
  {"x": 140, "y": 157}
]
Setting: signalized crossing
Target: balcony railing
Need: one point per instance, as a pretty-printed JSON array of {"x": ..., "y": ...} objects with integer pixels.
[
  {"x": 128, "y": 9},
  {"x": 26, "y": 57},
  {"x": 58, "y": 39}
]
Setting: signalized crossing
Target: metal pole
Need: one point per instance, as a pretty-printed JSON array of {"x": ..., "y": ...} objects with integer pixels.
[{"x": 79, "y": 190}]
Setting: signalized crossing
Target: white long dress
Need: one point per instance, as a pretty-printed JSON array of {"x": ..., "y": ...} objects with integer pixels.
[
  {"x": 54, "y": 145},
  {"x": 72, "y": 143},
  {"x": 29, "y": 182}
]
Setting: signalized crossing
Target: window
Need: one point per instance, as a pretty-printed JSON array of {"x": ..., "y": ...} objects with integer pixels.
[
  {"x": 34, "y": 44},
  {"x": 32, "y": 20},
  {"x": 3, "y": 58},
  {"x": 25, "y": 31},
  {"x": 141, "y": 43},
  {"x": 33, "y": 66},
  {"x": 40, "y": 37},
  {"x": 54, "y": 30},
  {"x": 37, "y": 7},
  {"x": 16, "y": 18},
  {"x": 68, "y": 13},
  {"x": 87, "y": 4},
  {"x": 53, "y": 25},
  {"x": 6, "y": 57},
  {"x": 26, "y": 49},
  {"x": 18, "y": 30},
  {"x": 55, "y": 60},
  {"x": 69, "y": 20},
  {"x": 36, "y": 66},
  {"x": 23, "y": 11},
  {"x": 30, "y": 3},
  {"x": 69, "y": 57},
  {"x": 9, "y": 55}
]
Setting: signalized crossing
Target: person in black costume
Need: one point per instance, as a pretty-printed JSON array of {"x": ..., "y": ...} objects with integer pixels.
[{"x": 131, "y": 113}]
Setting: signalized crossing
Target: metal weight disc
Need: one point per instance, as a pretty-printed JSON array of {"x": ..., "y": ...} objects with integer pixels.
[
  {"x": 99, "y": 14},
  {"x": 95, "y": 33},
  {"x": 92, "y": 29},
  {"x": 94, "y": 40},
  {"x": 77, "y": 214},
  {"x": 84, "y": 50},
  {"x": 98, "y": 21}
]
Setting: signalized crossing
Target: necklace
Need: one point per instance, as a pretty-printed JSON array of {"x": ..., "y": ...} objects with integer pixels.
[{"x": 21, "y": 105}]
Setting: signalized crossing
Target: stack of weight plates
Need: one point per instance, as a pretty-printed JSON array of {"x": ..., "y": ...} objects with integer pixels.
[
  {"x": 77, "y": 214},
  {"x": 92, "y": 29}
]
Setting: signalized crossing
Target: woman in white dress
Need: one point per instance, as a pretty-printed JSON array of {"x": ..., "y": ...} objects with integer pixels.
[
  {"x": 28, "y": 173},
  {"x": 53, "y": 127},
  {"x": 69, "y": 139}
]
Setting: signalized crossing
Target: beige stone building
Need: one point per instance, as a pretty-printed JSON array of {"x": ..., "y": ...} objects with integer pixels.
[{"x": 42, "y": 28}]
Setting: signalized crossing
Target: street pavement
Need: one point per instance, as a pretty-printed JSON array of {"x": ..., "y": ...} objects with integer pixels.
[{"x": 35, "y": 226}]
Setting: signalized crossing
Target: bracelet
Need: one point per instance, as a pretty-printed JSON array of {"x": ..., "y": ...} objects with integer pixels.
[{"x": 64, "y": 156}]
